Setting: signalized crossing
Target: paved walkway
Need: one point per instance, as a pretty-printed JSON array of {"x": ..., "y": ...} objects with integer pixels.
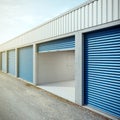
[{"x": 22, "y": 101}]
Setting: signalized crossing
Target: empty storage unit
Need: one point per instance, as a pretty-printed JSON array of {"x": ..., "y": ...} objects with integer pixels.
[
  {"x": 11, "y": 62},
  {"x": 25, "y": 63},
  {"x": 56, "y": 64},
  {"x": 75, "y": 55}
]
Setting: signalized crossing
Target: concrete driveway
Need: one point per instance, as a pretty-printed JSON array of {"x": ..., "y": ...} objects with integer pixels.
[{"x": 22, "y": 101}]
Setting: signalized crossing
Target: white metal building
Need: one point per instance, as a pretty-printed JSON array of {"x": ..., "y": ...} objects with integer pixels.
[{"x": 75, "y": 55}]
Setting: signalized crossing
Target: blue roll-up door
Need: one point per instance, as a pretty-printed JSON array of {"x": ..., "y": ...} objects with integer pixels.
[
  {"x": 58, "y": 45},
  {"x": 11, "y": 62},
  {"x": 25, "y": 61},
  {"x": 3, "y": 61},
  {"x": 102, "y": 70}
]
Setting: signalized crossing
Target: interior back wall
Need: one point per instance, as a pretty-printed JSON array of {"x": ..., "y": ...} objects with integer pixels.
[{"x": 55, "y": 66}]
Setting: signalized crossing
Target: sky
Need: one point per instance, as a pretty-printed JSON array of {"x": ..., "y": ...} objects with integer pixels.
[{"x": 19, "y": 16}]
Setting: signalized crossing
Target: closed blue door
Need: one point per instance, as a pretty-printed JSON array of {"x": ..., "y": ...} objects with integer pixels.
[
  {"x": 25, "y": 61},
  {"x": 3, "y": 61},
  {"x": 102, "y": 70},
  {"x": 11, "y": 62},
  {"x": 58, "y": 45}
]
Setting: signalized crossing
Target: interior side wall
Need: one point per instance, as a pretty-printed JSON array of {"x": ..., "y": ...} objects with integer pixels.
[{"x": 55, "y": 66}]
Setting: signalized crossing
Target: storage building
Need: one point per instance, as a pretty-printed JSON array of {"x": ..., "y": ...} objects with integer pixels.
[{"x": 75, "y": 55}]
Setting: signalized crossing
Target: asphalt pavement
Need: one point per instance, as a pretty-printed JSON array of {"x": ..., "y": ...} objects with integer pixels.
[{"x": 22, "y": 101}]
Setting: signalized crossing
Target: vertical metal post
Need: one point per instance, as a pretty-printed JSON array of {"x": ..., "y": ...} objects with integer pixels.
[
  {"x": 35, "y": 64},
  {"x": 16, "y": 62},
  {"x": 79, "y": 87}
]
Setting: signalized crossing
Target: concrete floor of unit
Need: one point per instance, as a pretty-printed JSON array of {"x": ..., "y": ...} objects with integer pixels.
[{"x": 64, "y": 89}]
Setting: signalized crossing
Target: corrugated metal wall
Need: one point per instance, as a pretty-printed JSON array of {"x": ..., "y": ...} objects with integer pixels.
[{"x": 94, "y": 12}]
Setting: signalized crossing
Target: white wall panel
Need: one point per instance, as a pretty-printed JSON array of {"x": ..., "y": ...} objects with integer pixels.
[
  {"x": 45, "y": 32},
  {"x": 82, "y": 18},
  {"x": 104, "y": 11},
  {"x": 79, "y": 19},
  {"x": 41, "y": 32},
  {"x": 59, "y": 26},
  {"x": 50, "y": 29},
  {"x": 64, "y": 24},
  {"x": 57, "y": 30},
  {"x": 76, "y": 20},
  {"x": 86, "y": 16},
  {"x": 90, "y": 14},
  {"x": 70, "y": 22},
  {"x": 30, "y": 37},
  {"x": 54, "y": 27},
  {"x": 110, "y": 9},
  {"x": 94, "y": 12},
  {"x": 99, "y": 12},
  {"x": 67, "y": 23},
  {"x": 73, "y": 21},
  {"x": 115, "y": 9}
]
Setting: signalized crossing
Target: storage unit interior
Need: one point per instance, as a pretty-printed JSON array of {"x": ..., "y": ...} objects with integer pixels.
[{"x": 56, "y": 72}]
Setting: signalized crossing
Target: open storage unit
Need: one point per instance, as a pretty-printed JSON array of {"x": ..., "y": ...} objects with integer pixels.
[{"x": 56, "y": 66}]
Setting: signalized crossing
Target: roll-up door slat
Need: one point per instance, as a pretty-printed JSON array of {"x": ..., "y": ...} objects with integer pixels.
[{"x": 57, "y": 45}]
